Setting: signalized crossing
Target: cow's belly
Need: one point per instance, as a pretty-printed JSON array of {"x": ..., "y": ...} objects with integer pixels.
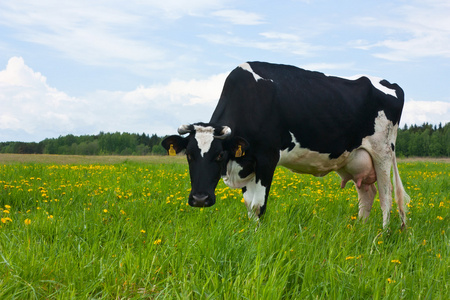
[{"x": 301, "y": 160}]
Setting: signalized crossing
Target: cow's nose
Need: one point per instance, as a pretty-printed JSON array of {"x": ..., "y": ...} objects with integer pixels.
[{"x": 199, "y": 200}]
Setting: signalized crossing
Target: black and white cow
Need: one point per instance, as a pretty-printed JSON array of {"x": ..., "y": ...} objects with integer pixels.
[{"x": 270, "y": 114}]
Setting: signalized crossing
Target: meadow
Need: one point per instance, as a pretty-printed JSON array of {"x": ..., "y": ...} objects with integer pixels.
[{"x": 122, "y": 229}]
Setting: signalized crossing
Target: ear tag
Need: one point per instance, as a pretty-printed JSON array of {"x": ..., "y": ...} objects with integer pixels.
[
  {"x": 239, "y": 152},
  {"x": 172, "y": 151}
]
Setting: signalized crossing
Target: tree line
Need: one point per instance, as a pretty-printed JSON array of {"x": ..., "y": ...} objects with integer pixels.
[
  {"x": 422, "y": 141},
  {"x": 101, "y": 144}
]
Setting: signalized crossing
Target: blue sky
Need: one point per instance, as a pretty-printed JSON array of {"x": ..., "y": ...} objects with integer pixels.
[{"x": 81, "y": 67}]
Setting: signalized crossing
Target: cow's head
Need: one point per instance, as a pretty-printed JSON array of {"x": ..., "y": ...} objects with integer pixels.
[{"x": 208, "y": 150}]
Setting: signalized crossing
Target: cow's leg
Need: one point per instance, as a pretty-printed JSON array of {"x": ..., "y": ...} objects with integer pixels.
[
  {"x": 366, "y": 195},
  {"x": 254, "y": 197},
  {"x": 256, "y": 192},
  {"x": 383, "y": 171}
]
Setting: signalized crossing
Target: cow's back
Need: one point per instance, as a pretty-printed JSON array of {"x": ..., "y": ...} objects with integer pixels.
[{"x": 325, "y": 114}]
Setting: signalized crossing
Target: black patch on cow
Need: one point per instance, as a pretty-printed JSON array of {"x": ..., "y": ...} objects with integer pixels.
[{"x": 392, "y": 147}]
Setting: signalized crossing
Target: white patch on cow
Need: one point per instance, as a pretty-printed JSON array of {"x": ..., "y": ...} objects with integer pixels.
[
  {"x": 232, "y": 178},
  {"x": 254, "y": 197},
  {"x": 379, "y": 143},
  {"x": 204, "y": 137},
  {"x": 247, "y": 67},
  {"x": 376, "y": 83},
  {"x": 303, "y": 160}
]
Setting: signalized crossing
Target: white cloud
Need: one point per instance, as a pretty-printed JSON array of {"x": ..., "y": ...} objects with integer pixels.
[
  {"x": 126, "y": 35},
  {"x": 239, "y": 17},
  {"x": 419, "y": 112},
  {"x": 414, "y": 30},
  {"x": 31, "y": 110},
  {"x": 272, "y": 41}
]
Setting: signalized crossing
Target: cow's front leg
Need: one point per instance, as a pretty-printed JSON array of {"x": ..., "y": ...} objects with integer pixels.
[
  {"x": 255, "y": 196},
  {"x": 256, "y": 192}
]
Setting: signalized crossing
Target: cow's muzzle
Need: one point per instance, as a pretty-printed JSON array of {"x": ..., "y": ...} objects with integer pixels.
[{"x": 201, "y": 200}]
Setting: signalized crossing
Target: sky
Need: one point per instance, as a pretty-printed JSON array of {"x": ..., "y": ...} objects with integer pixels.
[{"x": 85, "y": 66}]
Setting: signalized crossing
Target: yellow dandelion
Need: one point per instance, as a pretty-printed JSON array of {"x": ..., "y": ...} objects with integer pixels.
[
  {"x": 349, "y": 257},
  {"x": 5, "y": 220},
  {"x": 142, "y": 231},
  {"x": 7, "y": 206},
  {"x": 242, "y": 230},
  {"x": 27, "y": 221},
  {"x": 157, "y": 242},
  {"x": 6, "y": 211},
  {"x": 439, "y": 218},
  {"x": 396, "y": 261},
  {"x": 105, "y": 210},
  {"x": 424, "y": 242},
  {"x": 390, "y": 280}
]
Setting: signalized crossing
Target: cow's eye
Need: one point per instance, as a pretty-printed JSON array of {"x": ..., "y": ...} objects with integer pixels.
[{"x": 220, "y": 157}]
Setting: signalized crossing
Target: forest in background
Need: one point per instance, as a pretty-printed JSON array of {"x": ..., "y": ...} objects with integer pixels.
[{"x": 422, "y": 141}]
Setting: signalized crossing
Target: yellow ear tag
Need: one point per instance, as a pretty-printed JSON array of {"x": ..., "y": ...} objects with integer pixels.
[
  {"x": 172, "y": 151},
  {"x": 239, "y": 152}
]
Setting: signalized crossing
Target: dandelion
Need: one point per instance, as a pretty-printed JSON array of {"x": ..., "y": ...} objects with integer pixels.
[
  {"x": 50, "y": 217},
  {"x": 439, "y": 218},
  {"x": 380, "y": 242},
  {"x": 242, "y": 230},
  {"x": 157, "y": 242},
  {"x": 396, "y": 261},
  {"x": 105, "y": 210},
  {"x": 27, "y": 221},
  {"x": 353, "y": 218},
  {"x": 349, "y": 257},
  {"x": 424, "y": 242},
  {"x": 122, "y": 212},
  {"x": 5, "y": 220},
  {"x": 390, "y": 281},
  {"x": 142, "y": 231},
  {"x": 6, "y": 211}
]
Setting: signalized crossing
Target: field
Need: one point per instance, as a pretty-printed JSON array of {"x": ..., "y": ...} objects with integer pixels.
[{"x": 81, "y": 228}]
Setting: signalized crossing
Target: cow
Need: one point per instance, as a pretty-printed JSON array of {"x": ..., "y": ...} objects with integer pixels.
[{"x": 271, "y": 115}]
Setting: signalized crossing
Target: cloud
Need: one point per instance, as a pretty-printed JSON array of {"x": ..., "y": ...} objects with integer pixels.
[
  {"x": 414, "y": 30},
  {"x": 129, "y": 35},
  {"x": 272, "y": 41},
  {"x": 419, "y": 112},
  {"x": 239, "y": 17},
  {"x": 31, "y": 110}
]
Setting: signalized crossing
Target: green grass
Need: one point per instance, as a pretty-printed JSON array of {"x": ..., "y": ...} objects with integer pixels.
[{"x": 124, "y": 231}]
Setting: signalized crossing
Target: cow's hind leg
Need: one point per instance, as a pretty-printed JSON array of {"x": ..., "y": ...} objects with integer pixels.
[
  {"x": 383, "y": 171},
  {"x": 366, "y": 195}
]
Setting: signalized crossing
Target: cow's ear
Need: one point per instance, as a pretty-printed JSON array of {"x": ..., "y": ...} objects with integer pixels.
[
  {"x": 174, "y": 144},
  {"x": 238, "y": 146}
]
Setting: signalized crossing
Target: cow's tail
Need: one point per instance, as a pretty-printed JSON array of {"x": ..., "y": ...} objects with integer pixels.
[{"x": 401, "y": 197}]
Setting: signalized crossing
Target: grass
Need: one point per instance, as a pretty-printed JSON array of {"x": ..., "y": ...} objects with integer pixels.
[{"x": 122, "y": 230}]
